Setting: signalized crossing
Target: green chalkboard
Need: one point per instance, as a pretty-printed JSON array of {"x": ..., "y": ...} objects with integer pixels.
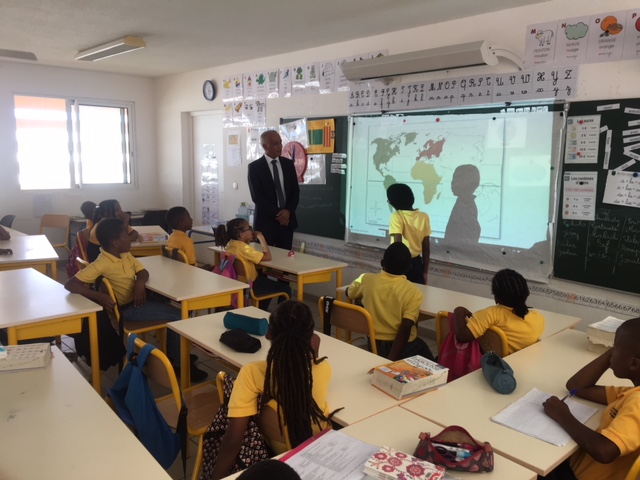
[
  {"x": 321, "y": 210},
  {"x": 603, "y": 250}
]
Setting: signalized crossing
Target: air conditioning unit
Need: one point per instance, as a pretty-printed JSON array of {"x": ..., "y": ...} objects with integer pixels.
[{"x": 442, "y": 58}]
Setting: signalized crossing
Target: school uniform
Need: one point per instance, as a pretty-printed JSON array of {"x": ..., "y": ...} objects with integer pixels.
[
  {"x": 414, "y": 226},
  {"x": 181, "y": 241}
]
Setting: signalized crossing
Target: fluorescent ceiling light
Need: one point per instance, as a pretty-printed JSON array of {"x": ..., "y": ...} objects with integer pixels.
[
  {"x": 109, "y": 49},
  {"x": 18, "y": 55}
]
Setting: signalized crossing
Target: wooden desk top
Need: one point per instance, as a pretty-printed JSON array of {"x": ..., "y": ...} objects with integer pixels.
[
  {"x": 149, "y": 229},
  {"x": 350, "y": 385},
  {"x": 28, "y": 249},
  {"x": 471, "y": 402},
  {"x": 180, "y": 281},
  {"x": 399, "y": 428},
  {"x": 28, "y": 296},
  {"x": 298, "y": 264},
  {"x": 14, "y": 233},
  {"x": 55, "y": 426}
]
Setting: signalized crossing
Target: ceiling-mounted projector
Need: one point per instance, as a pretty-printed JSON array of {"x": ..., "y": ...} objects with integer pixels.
[{"x": 442, "y": 58}]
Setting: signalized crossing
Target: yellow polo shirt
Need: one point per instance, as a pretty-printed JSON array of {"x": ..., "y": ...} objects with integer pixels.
[
  {"x": 413, "y": 225},
  {"x": 181, "y": 241},
  {"x": 248, "y": 254},
  {"x": 121, "y": 273},
  {"x": 388, "y": 298}
]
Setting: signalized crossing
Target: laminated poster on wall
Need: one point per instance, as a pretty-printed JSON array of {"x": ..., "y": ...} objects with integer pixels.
[
  {"x": 316, "y": 170},
  {"x": 579, "y": 190},
  {"x": 233, "y": 145}
]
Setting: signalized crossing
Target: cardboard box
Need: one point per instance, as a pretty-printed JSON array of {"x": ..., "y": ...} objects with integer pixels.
[{"x": 409, "y": 376}]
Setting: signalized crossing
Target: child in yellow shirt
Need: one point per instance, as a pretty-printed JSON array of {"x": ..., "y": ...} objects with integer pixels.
[{"x": 180, "y": 221}]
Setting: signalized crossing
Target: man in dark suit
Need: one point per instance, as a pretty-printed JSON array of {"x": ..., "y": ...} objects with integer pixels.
[{"x": 273, "y": 184}]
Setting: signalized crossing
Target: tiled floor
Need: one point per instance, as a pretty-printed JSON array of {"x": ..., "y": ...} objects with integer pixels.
[{"x": 205, "y": 363}]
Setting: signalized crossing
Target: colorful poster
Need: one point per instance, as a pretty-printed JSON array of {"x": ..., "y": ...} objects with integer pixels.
[
  {"x": 321, "y": 136},
  {"x": 606, "y": 37},
  {"x": 327, "y": 76},
  {"x": 312, "y": 78},
  {"x": 272, "y": 83},
  {"x": 579, "y": 196},
  {"x": 260, "y": 85},
  {"x": 248, "y": 86},
  {"x": 298, "y": 80},
  {"x": 572, "y": 41},
  {"x": 285, "y": 82},
  {"x": 227, "y": 89},
  {"x": 237, "y": 87},
  {"x": 583, "y": 139},
  {"x": 631, "y": 49},
  {"x": 540, "y": 44}
]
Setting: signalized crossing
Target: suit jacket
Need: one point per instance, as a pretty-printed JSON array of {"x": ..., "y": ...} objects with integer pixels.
[{"x": 263, "y": 191}]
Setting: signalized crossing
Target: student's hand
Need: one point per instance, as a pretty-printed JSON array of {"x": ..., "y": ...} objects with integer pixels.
[
  {"x": 259, "y": 237},
  {"x": 139, "y": 294},
  {"x": 283, "y": 217},
  {"x": 107, "y": 302},
  {"x": 556, "y": 408}
]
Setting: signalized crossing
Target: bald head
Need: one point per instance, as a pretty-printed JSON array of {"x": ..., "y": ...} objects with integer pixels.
[
  {"x": 628, "y": 336},
  {"x": 271, "y": 143}
]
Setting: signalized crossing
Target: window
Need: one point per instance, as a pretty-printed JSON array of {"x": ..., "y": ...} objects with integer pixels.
[{"x": 69, "y": 143}]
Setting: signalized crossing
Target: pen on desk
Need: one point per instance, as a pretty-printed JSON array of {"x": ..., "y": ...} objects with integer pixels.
[{"x": 571, "y": 394}]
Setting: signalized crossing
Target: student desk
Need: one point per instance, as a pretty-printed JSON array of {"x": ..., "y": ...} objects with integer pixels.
[
  {"x": 350, "y": 385},
  {"x": 470, "y": 401},
  {"x": 399, "y": 428},
  {"x": 33, "y": 305},
  {"x": 147, "y": 249},
  {"x": 436, "y": 299},
  {"x": 205, "y": 231},
  {"x": 54, "y": 426},
  {"x": 301, "y": 267},
  {"x": 30, "y": 251},
  {"x": 14, "y": 233},
  {"x": 194, "y": 288}
]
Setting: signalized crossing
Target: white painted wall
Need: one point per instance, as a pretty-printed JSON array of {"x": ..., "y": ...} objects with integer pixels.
[{"x": 28, "y": 79}]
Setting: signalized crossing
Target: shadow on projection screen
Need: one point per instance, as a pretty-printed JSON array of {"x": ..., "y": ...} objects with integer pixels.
[{"x": 487, "y": 180}]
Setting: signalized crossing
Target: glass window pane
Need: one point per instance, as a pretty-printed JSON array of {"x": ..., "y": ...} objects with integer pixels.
[
  {"x": 104, "y": 144},
  {"x": 43, "y": 143}
]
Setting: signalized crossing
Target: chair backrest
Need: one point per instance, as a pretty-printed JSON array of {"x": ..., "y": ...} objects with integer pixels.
[
  {"x": 350, "y": 318},
  {"x": 634, "y": 471},
  {"x": 103, "y": 285},
  {"x": 54, "y": 221},
  {"x": 156, "y": 217},
  {"x": 82, "y": 263},
  {"x": 82, "y": 239},
  {"x": 7, "y": 220},
  {"x": 269, "y": 425},
  {"x": 241, "y": 267},
  {"x": 174, "y": 254},
  {"x": 493, "y": 340}
]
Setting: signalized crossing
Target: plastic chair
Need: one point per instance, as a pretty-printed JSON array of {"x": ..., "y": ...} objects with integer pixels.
[
  {"x": 140, "y": 328},
  {"x": 241, "y": 267},
  {"x": 55, "y": 221},
  {"x": 82, "y": 263},
  {"x": 174, "y": 254},
  {"x": 7, "y": 220},
  {"x": 156, "y": 217},
  {"x": 202, "y": 400},
  {"x": 348, "y": 318},
  {"x": 635, "y": 470},
  {"x": 493, "y": 340},
  {"x": 82, "y": 239}
]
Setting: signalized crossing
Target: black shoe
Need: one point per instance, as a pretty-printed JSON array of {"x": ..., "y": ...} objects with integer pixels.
[{"x": 197, "y": 375}]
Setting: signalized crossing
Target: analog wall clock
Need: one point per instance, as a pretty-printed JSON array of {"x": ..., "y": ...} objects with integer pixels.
[{"x": 209, "y": 90}]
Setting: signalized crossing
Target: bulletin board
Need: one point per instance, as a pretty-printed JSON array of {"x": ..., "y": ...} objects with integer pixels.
[{"x": 598, "y": 230}]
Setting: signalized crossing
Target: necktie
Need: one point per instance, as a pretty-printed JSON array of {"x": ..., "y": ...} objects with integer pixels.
[{"x": 276, "y": 180}]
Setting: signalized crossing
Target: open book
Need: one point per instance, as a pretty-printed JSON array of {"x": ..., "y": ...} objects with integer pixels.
[{"x": 527, "y": 415}]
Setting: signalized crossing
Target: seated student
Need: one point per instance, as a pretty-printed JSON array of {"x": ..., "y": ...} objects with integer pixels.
[
  {"x": 4, "y": 235},
  {"x": 180, "y": 221},
  {"x": 294, "y": 379},
  {"x": 411, "y": 227},
  {"x": 271, "y": 469},
  {"x": 107, "y": 209},
  {"x": 521, "y": 325},
  {"x": 608, "y": 452},
  {"x": 88, "y": 209},
  {"x": 237, "y": 238},
  {"x": 394, "y": 304},
  {"x": 128, "y": 278}
]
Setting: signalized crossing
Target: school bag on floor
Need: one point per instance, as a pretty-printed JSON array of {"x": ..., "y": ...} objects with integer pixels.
[
  {"x": 137, "y": 407},
  {"x": 254, "y": 447}
]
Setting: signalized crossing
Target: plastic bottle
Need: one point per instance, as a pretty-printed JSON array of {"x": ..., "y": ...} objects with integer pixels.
[{"x": 243, "y": 211}]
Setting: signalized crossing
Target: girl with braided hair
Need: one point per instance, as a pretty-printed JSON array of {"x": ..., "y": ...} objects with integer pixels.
[
  {"x": 236, "y": 237},
  {"x": 293, "y": 381},
  {"x": 522, "y": 326}
]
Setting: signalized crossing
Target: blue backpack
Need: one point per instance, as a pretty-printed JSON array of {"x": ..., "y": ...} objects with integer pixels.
[{"x": 137, "y": 407}]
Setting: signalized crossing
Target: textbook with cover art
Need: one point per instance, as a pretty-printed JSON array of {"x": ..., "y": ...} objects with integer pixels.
[
  {"x": 391, "y": 464},
  {"x": 409, "y": 376}
]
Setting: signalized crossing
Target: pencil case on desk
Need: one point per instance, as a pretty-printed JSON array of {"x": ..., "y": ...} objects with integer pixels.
[
  {"x": 252, "y": 325},
  {"x": 498, "y": 373},
  {"x": 240, "y": 341},
  {"x": 442, "y": 449}
]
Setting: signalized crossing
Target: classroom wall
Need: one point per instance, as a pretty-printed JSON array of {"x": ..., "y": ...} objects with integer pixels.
[
  {"x": 182, "y": 93},
  {"x": 30, "y": 79}
]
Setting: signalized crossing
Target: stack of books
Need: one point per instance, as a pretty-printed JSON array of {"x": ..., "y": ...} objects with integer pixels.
[
  {"x": 601, "y": 334},
  {"x": 408, "y": 377},
  {"x": 154, "y": 237}
]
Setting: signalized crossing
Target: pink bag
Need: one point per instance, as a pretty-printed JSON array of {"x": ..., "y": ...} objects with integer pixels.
[{"x": 459, "y": 358}]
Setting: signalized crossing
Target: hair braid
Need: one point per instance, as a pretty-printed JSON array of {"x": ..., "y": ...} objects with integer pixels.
[
  {"x": 289, "y": 373},
  {"x": 231, "y": 232},
  {"x": 511, "y": 289}
]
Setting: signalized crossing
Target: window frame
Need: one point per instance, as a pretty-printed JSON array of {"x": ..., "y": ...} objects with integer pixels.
[{"x": 73, "y": 105}]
